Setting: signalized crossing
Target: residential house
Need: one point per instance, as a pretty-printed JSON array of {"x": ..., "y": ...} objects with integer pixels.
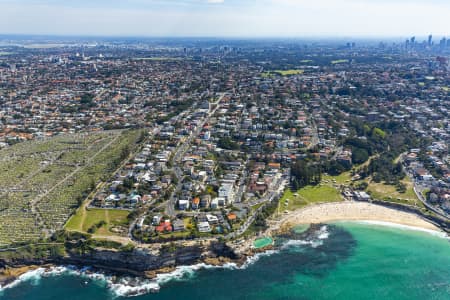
[
  {"x": 183, "y": 204},
  {"x": 178, "y": 225},
  {"x": 203, "y": 227}
]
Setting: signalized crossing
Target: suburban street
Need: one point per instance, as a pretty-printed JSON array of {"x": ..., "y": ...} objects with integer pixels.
[
  {"x": 275, "y": 190},
  {"x": 181, "y": 151},
  {"x": 419, "y": 187}
]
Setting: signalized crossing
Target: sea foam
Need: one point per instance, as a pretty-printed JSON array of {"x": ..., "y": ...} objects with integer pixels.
[
  {"x": 299, "y": 243},
  {"x": 129, "y": 286},
  {"x": 323, "y": 233},
  {"x": 124, "y": 288},
  {"x": 34, "y": 277},
  {"x": 315, "y": 241}
]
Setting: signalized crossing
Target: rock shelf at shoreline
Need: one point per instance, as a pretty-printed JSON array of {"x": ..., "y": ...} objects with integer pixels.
[
  {"x": 8, "y": 274},
  {"x": 237, "y": 252}
]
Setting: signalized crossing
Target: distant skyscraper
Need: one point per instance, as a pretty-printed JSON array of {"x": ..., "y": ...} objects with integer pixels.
[{"x": 430, "y": 40}]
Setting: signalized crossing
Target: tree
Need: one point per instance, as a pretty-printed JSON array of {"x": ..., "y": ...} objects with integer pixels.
[
  {"x": 128, "y": 182},
  {"x": 361, "y": 186},
  {"x": 401, "y": 187},
  {"x": 359, "y": 155},
  {"x": 227, "y": 143},
  {"x": 304, "y": 174},
  {"x": 335, "y": 168}
]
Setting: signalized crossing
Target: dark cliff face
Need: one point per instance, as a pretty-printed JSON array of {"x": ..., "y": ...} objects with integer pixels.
[
  {"x": 19, "y": 262},
  {"x": 223, "y": 250},
  {"x": 135, "y": 262}
]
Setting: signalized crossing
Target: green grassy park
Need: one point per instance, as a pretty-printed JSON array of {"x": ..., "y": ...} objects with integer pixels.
[
  {"x": 307, "y": 196},
  {"x": 339, "y": 61},
  {"x": 282, "y": 73},
  {"x": 84, "y": 219}
]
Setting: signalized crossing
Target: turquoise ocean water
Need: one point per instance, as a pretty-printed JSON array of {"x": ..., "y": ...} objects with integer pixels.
[{"x": 343, "y": 261}]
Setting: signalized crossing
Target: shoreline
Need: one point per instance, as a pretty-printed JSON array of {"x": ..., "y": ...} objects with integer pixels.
[
  {"x": 370, "y": 214},
  {"x": 353, "y": 211},
  {"x": 438, "y": 233}
]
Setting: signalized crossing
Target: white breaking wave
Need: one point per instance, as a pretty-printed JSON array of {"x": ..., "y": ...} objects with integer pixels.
[
  {"x": 436, "y": 233},
  {"x": 127, "y": 286},
  {"x": 253, "y": 259},
  {"x": 32, "y": 276},
  {"x": 297, "y": 243},
  {"x": 124, "y": 288},
  {"x": 316, "y": 241},
  {"x": 35, "y": 276},
  {"x": 323, "y": 233}
]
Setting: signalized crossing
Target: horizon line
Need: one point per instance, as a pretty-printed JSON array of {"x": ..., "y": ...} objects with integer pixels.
[{"x": 253, "y": 37}]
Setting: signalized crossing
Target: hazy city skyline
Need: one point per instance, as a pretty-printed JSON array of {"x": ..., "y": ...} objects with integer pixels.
[{"x": 226, "y": 18}]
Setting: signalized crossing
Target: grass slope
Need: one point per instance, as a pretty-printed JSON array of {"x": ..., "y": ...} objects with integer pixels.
[
  {"x": 282, "y": 73},
  {"x": 86, "y": 218},
  {"x": 307, "y": 196}
]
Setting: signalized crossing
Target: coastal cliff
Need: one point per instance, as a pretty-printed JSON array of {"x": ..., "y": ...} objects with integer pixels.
[{"x": 137, "y": 262}]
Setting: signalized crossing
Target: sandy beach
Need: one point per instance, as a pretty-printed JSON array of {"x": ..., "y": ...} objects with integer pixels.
[{"x": 354, "y": 211}]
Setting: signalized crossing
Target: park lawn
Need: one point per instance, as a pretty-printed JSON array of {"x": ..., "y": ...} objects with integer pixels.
[
  {"x": 289, "y": 72},
  {"x": 344, "y": 178},
  {"x": 85, "y": 218},
  {"x": 324, "y": 193},
  {"x": 386, "y": 192},
  {"x": 309, "y": 195},
  {"x": 425, "y": 192},
  {"x": 179, "y": 234},
  {"x": 75, "y": 222},
  {"x": 339, "y": 61},
  {"x": 266, "y": 75},
  {"x": 282, "y": 73}
]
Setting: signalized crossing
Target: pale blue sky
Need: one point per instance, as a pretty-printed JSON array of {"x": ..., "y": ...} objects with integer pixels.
[{"x": 226, "y": 18}]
